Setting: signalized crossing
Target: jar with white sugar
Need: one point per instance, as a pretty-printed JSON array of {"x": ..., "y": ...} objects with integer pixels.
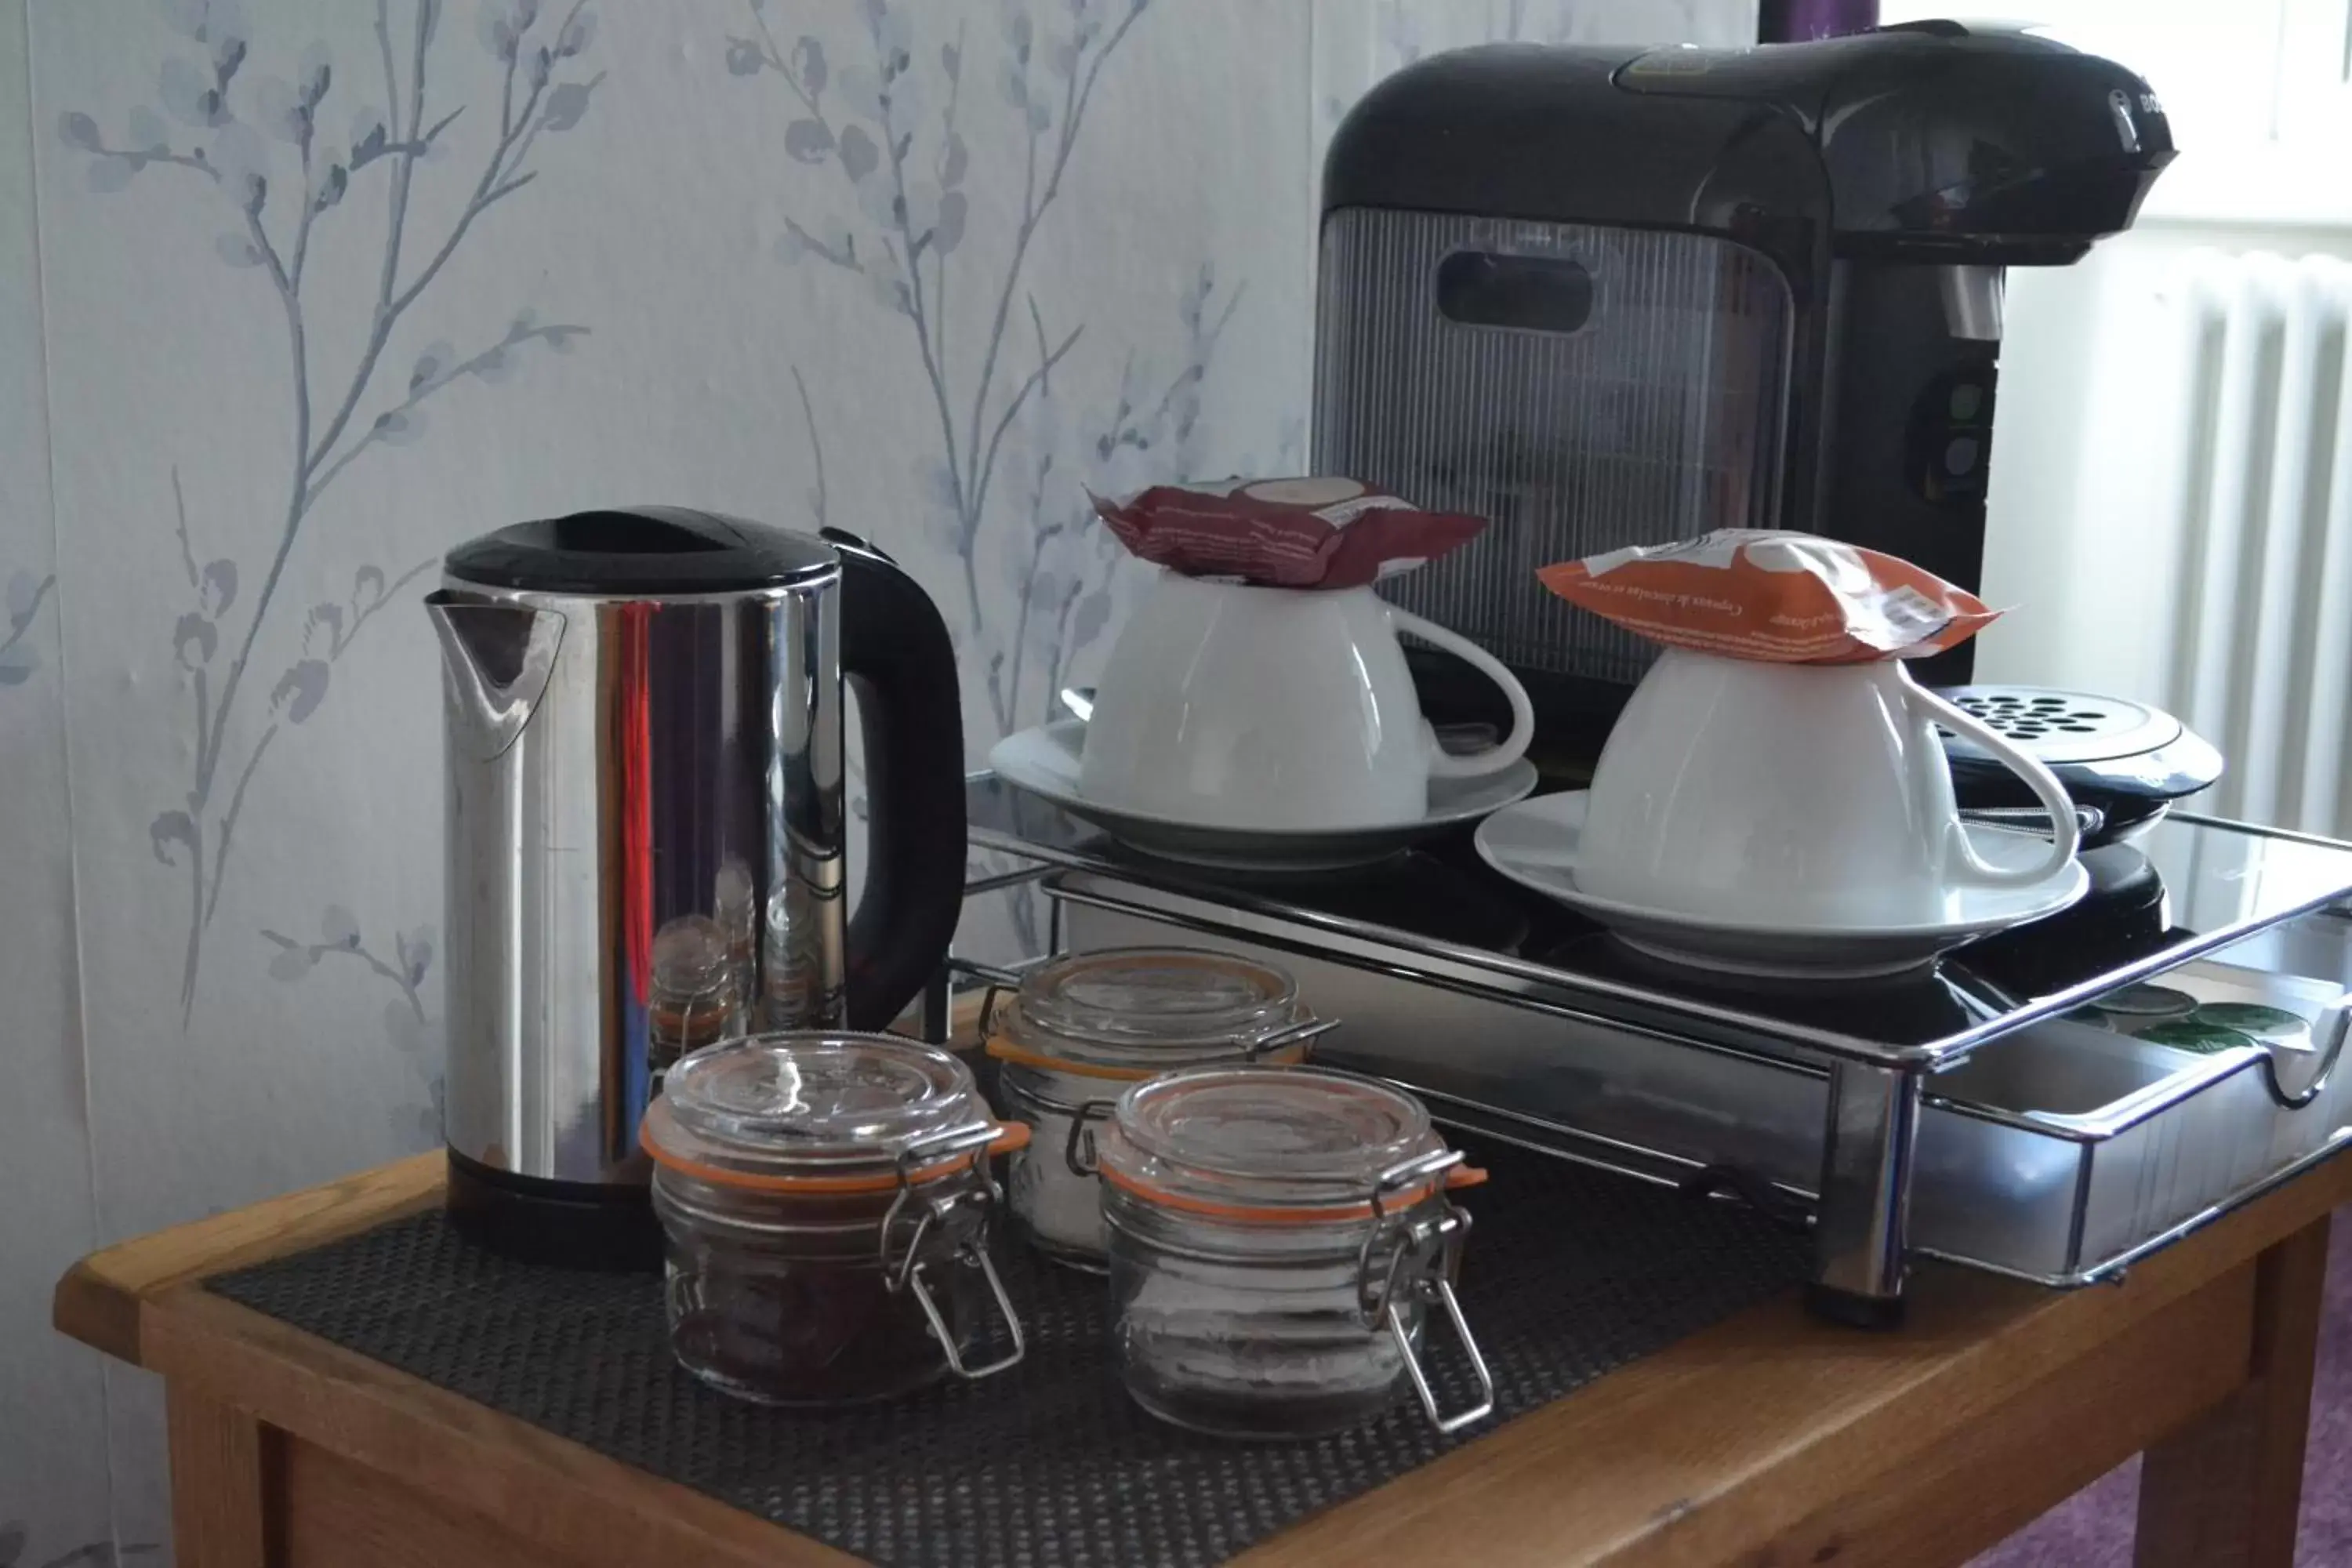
[
  {"x": 1080, "y": 1030},
  {"x": 1278, "y": 1243}
]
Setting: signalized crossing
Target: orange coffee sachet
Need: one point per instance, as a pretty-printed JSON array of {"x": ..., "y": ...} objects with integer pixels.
[{"x": 1786, "y": 597}]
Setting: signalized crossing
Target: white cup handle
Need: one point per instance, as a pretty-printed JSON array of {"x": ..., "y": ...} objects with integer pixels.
[
  {"x": 1444, "y": 765},
  {"x": 2066, "y": 834}
]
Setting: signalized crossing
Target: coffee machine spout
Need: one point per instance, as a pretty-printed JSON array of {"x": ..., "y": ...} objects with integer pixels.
[
  {"x": 499, "y": 657},
  {"x": 1972, "y": 302}
]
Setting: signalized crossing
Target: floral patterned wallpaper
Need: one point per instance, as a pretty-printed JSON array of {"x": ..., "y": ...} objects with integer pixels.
[{"x": 294, "y": 294}]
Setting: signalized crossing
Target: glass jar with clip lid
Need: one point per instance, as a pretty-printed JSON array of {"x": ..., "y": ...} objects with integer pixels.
[
  {"x": 828, "y": 1205},
  {"x": 1079, "y": 1031},
  {"x": 1277, "y": 1237}
]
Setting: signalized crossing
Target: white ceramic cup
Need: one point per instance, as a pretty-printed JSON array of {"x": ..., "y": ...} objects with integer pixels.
[
  {"x": 1230, "y": 705},
  {"x": 1813, "y": 796}
]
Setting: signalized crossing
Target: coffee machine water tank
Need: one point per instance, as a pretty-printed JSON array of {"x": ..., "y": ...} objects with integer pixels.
[{"x": 1610, "y": 297}]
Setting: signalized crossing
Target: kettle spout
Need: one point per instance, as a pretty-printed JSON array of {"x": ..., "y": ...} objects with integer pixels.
[{"x": 499, "y": 658}]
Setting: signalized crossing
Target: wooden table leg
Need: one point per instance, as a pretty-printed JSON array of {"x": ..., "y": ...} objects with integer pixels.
[
  {"x": 223, "y": 1462},
  {"x": 2224, "y": 1492}
]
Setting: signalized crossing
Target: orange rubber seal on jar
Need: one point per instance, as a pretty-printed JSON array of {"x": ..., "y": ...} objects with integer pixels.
[
  {"x": 1458, "y": 1177},
  {"x": 1010, "y": 1137},
  {"x": 1001, "y": 1047}
]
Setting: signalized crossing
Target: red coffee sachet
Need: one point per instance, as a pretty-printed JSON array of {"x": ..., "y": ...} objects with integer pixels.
[
  {"x": 1787, "y": 598},
  {"x": 1282, "y": 534}
]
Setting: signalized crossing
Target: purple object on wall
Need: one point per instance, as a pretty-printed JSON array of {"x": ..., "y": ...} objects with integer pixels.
[{"x": 1794, "y": 21}]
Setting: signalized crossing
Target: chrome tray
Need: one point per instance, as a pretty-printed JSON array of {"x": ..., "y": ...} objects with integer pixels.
[{"x": 1955, "y": 1118}]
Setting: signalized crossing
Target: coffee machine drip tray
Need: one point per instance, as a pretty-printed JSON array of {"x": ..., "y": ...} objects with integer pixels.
[{"x": 2052, "y": 1103}]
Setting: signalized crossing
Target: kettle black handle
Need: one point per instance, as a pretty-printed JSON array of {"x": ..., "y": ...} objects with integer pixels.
[{"x": 897, "y": 655}]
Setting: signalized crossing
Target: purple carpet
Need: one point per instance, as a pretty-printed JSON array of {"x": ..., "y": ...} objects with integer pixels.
[{"x": 2092, "y": 1529}]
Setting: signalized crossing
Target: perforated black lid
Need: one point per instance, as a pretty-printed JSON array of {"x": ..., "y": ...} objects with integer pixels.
[{"x": 641, "y": 549}]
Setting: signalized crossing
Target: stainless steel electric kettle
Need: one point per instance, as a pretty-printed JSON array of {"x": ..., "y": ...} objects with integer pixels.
[{"x": 647, "y": 834}]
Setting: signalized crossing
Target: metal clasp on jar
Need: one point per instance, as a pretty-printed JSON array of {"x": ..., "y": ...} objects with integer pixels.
[
  {"x": 1421, "y": 1255},
  {"x": 1298, "y": 1034},
  {"x": 999, "y": 980},
  {"x": 1078, "y": 1150},
  {"x": 961, "y": 1211}
]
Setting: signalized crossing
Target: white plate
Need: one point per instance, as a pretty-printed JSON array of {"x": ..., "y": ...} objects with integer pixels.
[
  {"x": 1535, "y": 842},
  {"x": 1044, "y": 762}
]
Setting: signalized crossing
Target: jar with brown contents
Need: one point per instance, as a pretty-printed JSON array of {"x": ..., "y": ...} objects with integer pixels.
[
  {"x": 828, "y": 1206},
  {"x": 696, "y": 998}
]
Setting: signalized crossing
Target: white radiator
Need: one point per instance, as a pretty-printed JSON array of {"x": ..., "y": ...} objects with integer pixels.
[{"x": 2261, "y": 483}]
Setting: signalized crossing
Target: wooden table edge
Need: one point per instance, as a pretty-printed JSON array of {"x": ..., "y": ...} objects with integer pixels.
[
  {"x": 454, "y": 1453},
  {"x": 102, "y": 1299},
  {"x": 142, "y": 1301}
]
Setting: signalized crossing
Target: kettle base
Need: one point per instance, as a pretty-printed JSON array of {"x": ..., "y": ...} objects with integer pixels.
[{"x": 570, "y": 1224}]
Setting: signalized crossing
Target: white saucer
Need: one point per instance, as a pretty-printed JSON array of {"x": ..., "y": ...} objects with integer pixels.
[
  {"x": 1535, "y": 843},
  {"x": 1044, "y": 762}
]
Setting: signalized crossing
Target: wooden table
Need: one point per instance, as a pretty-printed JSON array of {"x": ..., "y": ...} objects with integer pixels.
[{"x": 1769, "y": 1442}]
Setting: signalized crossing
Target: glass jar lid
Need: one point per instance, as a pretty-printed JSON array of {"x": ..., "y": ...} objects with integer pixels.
[
  {"x": 818, "y": 1110},
  {"x": 1146, "y": 1009},
  {"x": 691, "y": 958},
  {"x": 1277, "y": 1144}
]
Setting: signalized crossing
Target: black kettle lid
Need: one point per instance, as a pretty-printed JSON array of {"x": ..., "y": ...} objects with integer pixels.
[{"x": 641, "y": 549}]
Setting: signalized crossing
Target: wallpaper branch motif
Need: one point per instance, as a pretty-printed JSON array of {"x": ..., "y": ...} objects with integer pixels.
[
  {"x": 901, "y": 170},
  {"x": 16, "y": 1536},
  {"x": 406, "y": 1023},
  {"x": 816, "y": 497},
  {"x": 19, "y": 658},
  {"x": 905, "y": 171},
  {"x": 230, "y": 121}
]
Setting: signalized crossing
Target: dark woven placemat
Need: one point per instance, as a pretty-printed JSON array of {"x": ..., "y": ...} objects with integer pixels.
[{"x": 1568, "y": 1274}]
